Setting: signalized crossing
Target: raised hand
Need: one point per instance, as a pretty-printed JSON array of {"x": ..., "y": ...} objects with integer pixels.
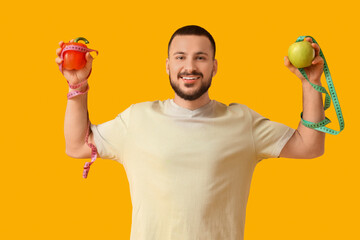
[
  {"x": 314, "y": 71},
  {"x": 75, "y": 76}
]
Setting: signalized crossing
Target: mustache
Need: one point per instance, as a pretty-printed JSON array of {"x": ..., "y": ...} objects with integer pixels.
[{"x": 189, "y": 74}]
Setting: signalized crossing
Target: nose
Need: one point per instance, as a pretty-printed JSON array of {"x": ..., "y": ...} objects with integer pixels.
[{"x": 190, "y": 65}]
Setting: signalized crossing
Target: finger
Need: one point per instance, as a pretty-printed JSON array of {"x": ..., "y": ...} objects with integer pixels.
[
  {"x": 288, "y": 64},
  {"x": 72, "y": 40},
  {"x": 88, "y": 56},
  {"x": 89, "y": 60},
  {"x": 58, "y": 60},
  {"x": 58, "y": 51},
  {"x": 308, "y": 39},
  {"x": 61, "y": 43},
  {"x": 317, "y": 48},
  {"x": 318, "y": 59}
]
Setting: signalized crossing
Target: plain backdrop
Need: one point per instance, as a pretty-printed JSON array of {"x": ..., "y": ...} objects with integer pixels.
[{"x": 43, "y": 194}]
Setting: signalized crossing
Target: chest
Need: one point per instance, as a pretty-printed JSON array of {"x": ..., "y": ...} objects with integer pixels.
[{"x": 188, "y": 145}]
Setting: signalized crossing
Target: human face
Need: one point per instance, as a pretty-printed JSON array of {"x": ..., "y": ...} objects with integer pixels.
[{"x": 190, "y": 56}]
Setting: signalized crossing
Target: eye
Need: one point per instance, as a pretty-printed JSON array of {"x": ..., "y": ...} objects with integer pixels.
[
  {"x": 179, "y": 57},
  {"x": 200, "y": 58}
]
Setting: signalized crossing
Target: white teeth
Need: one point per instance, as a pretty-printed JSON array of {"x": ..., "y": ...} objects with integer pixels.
[{"x": 190, "y": 78}]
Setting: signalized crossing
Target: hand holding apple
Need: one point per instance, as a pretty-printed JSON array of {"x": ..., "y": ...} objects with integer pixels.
[{"x": 299, "y": 54}]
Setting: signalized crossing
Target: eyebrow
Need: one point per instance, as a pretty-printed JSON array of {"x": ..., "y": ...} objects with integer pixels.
[{"x": 197, "y": 53}]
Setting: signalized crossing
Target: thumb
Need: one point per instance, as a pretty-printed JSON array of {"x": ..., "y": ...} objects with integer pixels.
[
  {"x": 288, "y": 64},
  {"x": 89, "y": 59},
  {"x": 318, "y": 59}
]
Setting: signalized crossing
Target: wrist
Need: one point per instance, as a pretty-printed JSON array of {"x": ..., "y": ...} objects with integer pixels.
[
  {"x": 305, "y": 82},
  {"x": 77, "y": 91},
  {"x": 82, "y": 88}
]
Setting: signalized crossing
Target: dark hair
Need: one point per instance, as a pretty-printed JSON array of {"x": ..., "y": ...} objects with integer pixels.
[{"x": 193, "y": 30}]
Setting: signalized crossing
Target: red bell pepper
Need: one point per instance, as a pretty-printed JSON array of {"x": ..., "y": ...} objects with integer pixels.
[{"x": 74, "y": 59}]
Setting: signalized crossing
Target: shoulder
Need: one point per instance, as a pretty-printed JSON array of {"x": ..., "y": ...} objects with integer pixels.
[
  {"x": 246, "y": 110},
  {"x": 239, "y": 108},
  {"x": 142, "y": 107},
  {"x": 232, "y": 110}
]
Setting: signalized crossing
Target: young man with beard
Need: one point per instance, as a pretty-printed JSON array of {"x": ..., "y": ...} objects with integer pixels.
[{"x": 189, "y": 160}]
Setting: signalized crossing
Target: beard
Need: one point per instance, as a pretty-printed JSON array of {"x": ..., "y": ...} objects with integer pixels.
[{"x": 195, "y": 95}]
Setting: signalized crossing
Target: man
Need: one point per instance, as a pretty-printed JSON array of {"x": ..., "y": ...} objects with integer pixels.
[{"x": 190, "y": 160}]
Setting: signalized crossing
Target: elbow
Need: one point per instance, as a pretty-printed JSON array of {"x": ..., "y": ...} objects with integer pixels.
[
  {"x": 72, "y": 151},
  {"x": 322, "y": 151},
  {"x": 318, "y": 155},
  {"x": 68, "y": 153},
  {"x": 71, "y": 154},
  {"x": 315, "y": 153}
]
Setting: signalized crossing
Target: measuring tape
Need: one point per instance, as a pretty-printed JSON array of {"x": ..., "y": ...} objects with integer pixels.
[
  {"x": 75, "y": 93},
  {"x": 320, "y": 126}
]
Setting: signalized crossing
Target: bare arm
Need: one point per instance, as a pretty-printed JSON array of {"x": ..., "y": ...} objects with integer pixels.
[
  {"x": 76, "y": 115},
  {"x": 75, "y": 126},
  {"x": 306, "y": 142}
]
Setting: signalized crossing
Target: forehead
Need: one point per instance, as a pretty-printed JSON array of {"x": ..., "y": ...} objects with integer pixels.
[{"x": 190, "y": 44}]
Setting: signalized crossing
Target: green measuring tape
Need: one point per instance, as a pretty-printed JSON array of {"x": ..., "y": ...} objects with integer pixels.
[{"x": 320, "y": 126}]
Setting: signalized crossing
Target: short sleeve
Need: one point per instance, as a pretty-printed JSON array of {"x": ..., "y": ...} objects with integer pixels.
[
  {"x": 109, "y": 137},
  {"x": 269, "y": 137}
]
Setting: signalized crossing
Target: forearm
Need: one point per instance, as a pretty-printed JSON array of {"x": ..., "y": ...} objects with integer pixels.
[
  {"x": 76, "y": 120},
  {"x": 313, "y": 111}
]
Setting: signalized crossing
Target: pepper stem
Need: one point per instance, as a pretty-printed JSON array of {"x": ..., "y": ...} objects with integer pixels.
[{"x": 81, "y": 38}]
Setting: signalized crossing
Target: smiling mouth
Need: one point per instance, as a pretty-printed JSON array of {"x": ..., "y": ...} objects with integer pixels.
[{"x": 189, "y": 79}]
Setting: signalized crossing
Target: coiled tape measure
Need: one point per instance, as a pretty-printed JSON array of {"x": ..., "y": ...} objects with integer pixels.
[{"x": 320, "y": 126}]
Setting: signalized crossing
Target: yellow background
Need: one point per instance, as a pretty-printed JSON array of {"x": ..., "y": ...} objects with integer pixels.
[{"x": 43, "y": 194}]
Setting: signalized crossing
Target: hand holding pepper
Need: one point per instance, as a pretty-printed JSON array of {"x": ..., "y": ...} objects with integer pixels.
[{"x": 76, "y": 65}]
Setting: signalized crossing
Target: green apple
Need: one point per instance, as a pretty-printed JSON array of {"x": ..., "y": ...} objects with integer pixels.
[{"x": 301, "y": 54}]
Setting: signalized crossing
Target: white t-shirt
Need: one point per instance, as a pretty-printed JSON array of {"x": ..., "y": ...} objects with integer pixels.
[{"x": 189, "y": 171}]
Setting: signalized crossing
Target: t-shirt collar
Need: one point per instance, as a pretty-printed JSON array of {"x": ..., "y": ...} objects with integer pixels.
[{"x": 174, "y": 109}]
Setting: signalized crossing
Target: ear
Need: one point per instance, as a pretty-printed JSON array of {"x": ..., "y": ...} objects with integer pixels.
[
  {"x": 215, "y": 67},
  {"x": 167, "y": 66}
]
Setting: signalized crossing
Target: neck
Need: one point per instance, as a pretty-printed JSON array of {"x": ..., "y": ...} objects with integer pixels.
[{"x": 192, "y": 105}]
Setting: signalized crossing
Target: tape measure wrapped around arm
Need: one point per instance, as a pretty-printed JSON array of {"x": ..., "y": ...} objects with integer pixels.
[
  {"x": 303, "y": 58},
  {"x": 73, "y": 56}
]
